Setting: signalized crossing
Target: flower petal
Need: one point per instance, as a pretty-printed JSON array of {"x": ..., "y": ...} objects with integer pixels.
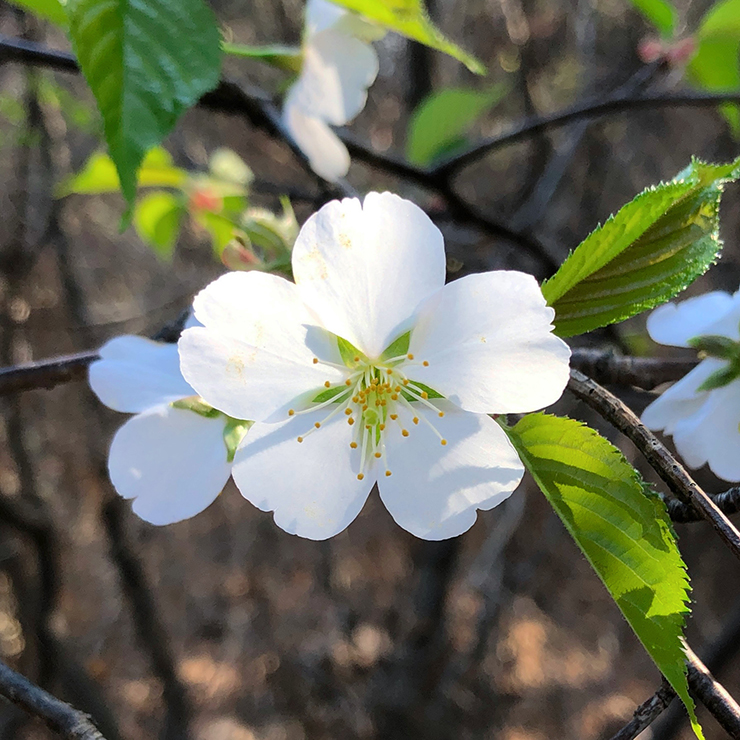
[
  {"x": 255, "y": 351},
  {"x": 336, "y": 73},
  {"x": 489, "y": 344},
  {"x": 681, "y": 400},
  {"x": 171, "y": 461},
  {"x": 311, "y": 486},
  {"x": 711, "y": 435},
  {"x": 675, "y": 323},
  {"x": 364, "y": 269},
  {"x": 322, "y": 15},
  {"x": 326, "y": 153},
  {"x": 135, "y": 374},
  {"x": 434, "y": 491}
]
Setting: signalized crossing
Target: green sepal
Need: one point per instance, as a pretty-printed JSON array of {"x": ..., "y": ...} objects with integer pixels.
[
  {"x": 715, "y": 345},
  {"x": 289, "y": 58},
  {"x": 197, "y": 405},
  {"x": 328, "y": 394},
  {"x": 234, "y": 432},
  {"x": 722, "y": 377},
  {"x": 420, "y": 387},
  {"x": 397, "y": 348},
  {"x": 348, "y": 352}
]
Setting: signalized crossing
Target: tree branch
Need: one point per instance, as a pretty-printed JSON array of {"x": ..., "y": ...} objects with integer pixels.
[
  {"x": 647, "y": 713},
  {"x": 641, "y": 372},
  {"x": 58, "y": 716},
  {"x": 664, "y": 464},
  {"x": 727, "y": 502}
]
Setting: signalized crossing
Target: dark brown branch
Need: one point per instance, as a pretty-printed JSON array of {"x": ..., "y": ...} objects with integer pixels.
[
  {"x": 713, "y": 695},
  {"x": 588, "y": 109},
  {"x": 664, "y": 464},
  {"x": 45, "y": 373},
  {"x": 647, "y": 713},
  {"x": 727, "y": 502},
  {"x": 58, "y": 716},
  {"x": 641, "y": 372}
]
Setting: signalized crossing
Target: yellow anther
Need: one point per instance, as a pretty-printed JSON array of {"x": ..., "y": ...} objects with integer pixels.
[
  {"x": 389, "y": 371},
  {"x": 315, "y": 360},
  {"x": 353, "y": 445},
  {"x": 443, "y": 442},
  {"x": 317, "y": 424},
  {"x": 381, "y": 427},
  {"x": 425, "y": 363},
  {"x": 291, "y": 412},
  {"x": 355, "y": 399},
  {"x": 368, "y": 427},
  {"x": 364, "y": 407},
  {"x": 356, "y": 358},
  {"x": 405, "y": 381},
  {"x": 410, "y": 356},
  {"x": 387, "y": 473},
  {"x": 441, "y": 414},
  {"x": 397, "y": 389},
  {"x": 424, "y": 395},
  {"x": 405, "y": 432},
  {"x": 350, "y": 421},
  {"x": 377, "y": 454},
  {"x": 327, "y": 384},
  {"x": 394, "y": 396},
  {"x": 348, "y": 412},
  {"x": 383, "y": 402},
  {"x": 377, "y": 402},
  {"x": 348, "y": 382},
  {"x": 300, "y": 439},
  {"x": 415, "y": 420},
  {"x": 360, "y": 476},
  {"x": 394, "y": 416}
]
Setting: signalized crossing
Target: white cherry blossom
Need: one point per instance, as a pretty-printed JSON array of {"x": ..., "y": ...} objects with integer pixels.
[
  {"x": 339, "y": 64},
  {"x": 171, "y": 460},
  {"x": 703, "y": 423},
  {"x": 369, "y": 369}
]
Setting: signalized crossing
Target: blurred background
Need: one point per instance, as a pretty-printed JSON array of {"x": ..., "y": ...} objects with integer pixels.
[{"x": 226, "y": 628}]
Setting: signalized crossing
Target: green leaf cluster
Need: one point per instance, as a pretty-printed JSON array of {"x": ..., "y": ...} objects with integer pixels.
[
  {"x": 410, "y": 19},
  {"x": 622, "y": 528},
  {"x": 652, "y": 249}
]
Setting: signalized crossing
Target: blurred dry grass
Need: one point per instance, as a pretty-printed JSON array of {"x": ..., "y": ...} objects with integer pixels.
[{"x": 504, "y": 633}]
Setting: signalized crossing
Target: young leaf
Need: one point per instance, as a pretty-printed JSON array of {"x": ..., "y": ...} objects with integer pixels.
[
  {"x": 442, "y": 119},
  {"x": 410, "y": 19},
  {"x": 146, "y": 63},
  {"x": 99, "y": 175},
  {"x": 219, "y": 227},
  {"x": 288, "y": 58},
  {"x": 48, "y": 10},
  {"x": 157, "y": 219},
  {"x": 660, "y": 13},
  {"x": 622, "y": 528},
  {"x": 652, "y": 249}
]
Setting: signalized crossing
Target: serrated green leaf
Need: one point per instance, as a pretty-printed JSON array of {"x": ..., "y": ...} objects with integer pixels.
[
  {"x": 660, "y": 13},
  {"x": 99, "y": 175},
  {"x": 288, "y": 58},
  {"x": 157, "y": 219},
  {"x": 48, "y": 10},
  {"x": 410, "y": 19},
  {"x": 622, "y": 528},
  {"x": 146, "y": 61},
  {"x": 652, "y": 249},
  {"x": 443, "y": 117}
]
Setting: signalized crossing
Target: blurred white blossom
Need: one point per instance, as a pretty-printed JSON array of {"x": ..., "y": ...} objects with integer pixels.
[
  {"x": 339, "y": 64},
  {"x": 172, "y": 457},
  {"x": 702, "y": 410},
  {"x": 369, "y": 369}
]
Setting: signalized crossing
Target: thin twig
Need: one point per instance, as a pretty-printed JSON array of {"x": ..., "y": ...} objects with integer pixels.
[
  {"x": 58, "y": 716},
  {"x": 664, "y": 464},
  {"x": 45, "y": 373},
  {"x": 713, "y": 695},
  {"x": 642, "y": 372},
  {"x": 647, "y": 713}
]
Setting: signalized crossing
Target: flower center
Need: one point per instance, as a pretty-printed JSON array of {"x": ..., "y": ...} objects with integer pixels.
[{"x": 375, "y": 395}]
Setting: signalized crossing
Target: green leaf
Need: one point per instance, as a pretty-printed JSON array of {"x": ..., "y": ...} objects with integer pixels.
[
  {"x": 48, "y": 10},
  {"x": 146, "y": 61},
  {"x": 660, "y": 13},
  {"x": 419, "y": 388},
  {"x": 722, "y": 20},
  {"x": 443, "y": 117},
  {"x": 351, "y": 356},
  {"x": 220, "y": 228},
  {"x": 652, "y": 249},
  {"x": 622, "y": 528},
  {"x": 288, "y": 58},
  {"x": 99, "y": 175},
  {"x": 410, "y": 19},
  {"x": 329, "y": 393},
  {"x": 397, "y": 348},
  {"x": 157, "y": 219}
]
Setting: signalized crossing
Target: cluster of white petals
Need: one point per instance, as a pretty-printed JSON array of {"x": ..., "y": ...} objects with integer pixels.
[
  {"x": 703, "y": 423},
  {"x": 171, "y": 460},
  {"x": 339, "y": 64},
  {"x": 370, "y": 369}
]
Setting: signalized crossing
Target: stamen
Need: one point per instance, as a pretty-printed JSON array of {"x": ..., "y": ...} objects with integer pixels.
[
  {"x": 300, "y": 439},
  {"x": 348, "y": 411},
  {"x": 360, "y": 476},
  {"x": 317, "y": 424},
  {"x": 409, "y": 356},
  {"x": 415, "y": 420},
  {"x": 405, "y": 432},
  {"x": 353, "y": 445},
  {"x": 327, "y": 384},
  {"x": 291, "y": 412},
  {"x": 425, "y": 363},
  {"x": 315, "y": 360}
]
